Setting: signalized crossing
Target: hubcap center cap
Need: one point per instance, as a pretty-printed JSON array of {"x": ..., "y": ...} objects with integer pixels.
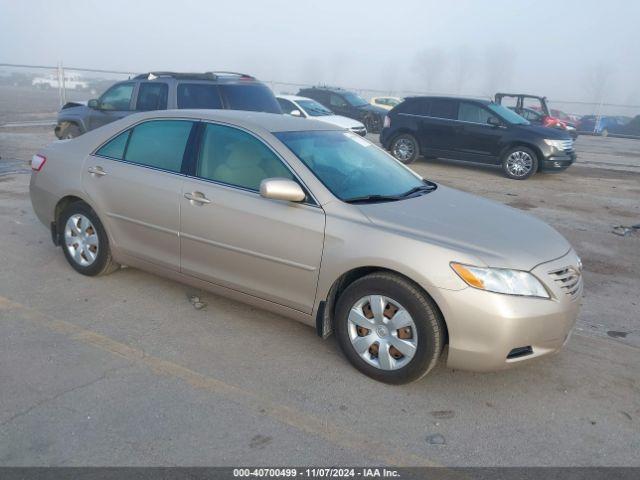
[{"x": 382, "y": 331}]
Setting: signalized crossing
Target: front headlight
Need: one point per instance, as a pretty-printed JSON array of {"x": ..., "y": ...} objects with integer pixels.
[
  {"x": 557, "y": 144},
  {"x": 501, "y": 280}
]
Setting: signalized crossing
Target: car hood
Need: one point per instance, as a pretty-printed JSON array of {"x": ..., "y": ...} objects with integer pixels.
[
  {"x": 498, "y": 235},
  {"x": 373, "y": 108},
  {"x": 340, "y": 121},
  {"x": 546, "y": 132}
]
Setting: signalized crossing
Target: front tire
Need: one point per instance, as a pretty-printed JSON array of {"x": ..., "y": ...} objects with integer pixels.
[
  {"x": 372, "y": 123},
  {"x": 69, "y": 130},
  {"x": 388, "y": 328},
  {"x": 84, "y": 241},
  {"x": 405, "y": 148},
  {"x": 519, "y": 163}
]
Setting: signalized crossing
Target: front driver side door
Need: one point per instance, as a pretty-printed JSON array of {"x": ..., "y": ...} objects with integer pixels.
[
  {"x": 114, "y": 104},
  {"x": 232, "y": 236}
]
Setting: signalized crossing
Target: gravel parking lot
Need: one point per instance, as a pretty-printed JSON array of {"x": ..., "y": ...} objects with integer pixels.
[{"x": 123, "y": 370}]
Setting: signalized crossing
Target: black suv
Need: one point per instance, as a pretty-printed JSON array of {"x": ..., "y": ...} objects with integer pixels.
[
  {"x": 477, "y": 131},
  {"x": 348, "y": 104},
  {"x": 167, "y": 90}
]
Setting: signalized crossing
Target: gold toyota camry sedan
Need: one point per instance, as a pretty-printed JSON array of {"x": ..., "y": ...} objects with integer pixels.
[{"x": 318, "y": 224}]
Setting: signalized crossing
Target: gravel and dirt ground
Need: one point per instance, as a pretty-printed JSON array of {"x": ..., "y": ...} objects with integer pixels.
[{"x": 123, "y": 370}]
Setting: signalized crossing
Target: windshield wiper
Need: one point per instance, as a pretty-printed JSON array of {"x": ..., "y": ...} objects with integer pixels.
[
  {"x": 419, "y": 188},
  {"x": 372, "y": 198}
]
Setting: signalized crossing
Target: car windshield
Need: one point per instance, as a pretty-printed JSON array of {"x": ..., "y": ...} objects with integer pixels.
[
  {"x": 354, "y": 99},
  {"x": 352, "y": 168},
  {"x": 314, "y": 109},
  {"x": 507, "y": 115}
]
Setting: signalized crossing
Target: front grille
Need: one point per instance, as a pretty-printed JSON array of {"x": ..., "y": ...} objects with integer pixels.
[
  {"x": 567, "y": 145},
  {"x": 569, "y": 279}
]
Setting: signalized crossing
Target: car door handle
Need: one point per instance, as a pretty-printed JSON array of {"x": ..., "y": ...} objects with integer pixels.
[
  {"x": 97, "y": 171},
  {"x": 197, "y": 197}
]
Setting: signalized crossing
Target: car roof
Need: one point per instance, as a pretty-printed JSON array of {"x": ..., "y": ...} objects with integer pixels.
[
  {"x": 271, "y": 122},
  {"x": 466, "y": 99},
  {"x": 217, "y": 77}
]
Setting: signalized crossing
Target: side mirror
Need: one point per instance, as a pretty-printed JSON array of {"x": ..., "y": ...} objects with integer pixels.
[
  {"x": 493, "y": 121},
  {"x": 93, "y": 103},
  {"x": 281, "y": 189},
  {"x": 295, "y": 113}
]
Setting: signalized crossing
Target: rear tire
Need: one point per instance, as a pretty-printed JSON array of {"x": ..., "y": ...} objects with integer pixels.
[
  {"x": 84, "y": 241},
  {"x": 405, "y": 148},
  {"x": 373, "y": 350},
  {"x": 519, "y": 163}
]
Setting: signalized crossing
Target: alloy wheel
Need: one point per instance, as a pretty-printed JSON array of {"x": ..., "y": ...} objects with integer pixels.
[
  {"x": 382, "y": 332},
  {"x": 519, "y": 163},
  {"x": 81, "y": 240},
  {"x": 403, "y": 149}
]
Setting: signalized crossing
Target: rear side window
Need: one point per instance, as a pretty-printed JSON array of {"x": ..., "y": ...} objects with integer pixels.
[
  {"x": 444, "y": 108},
  {"x": 159, "y": 144},
  {"x": 198, "y": 95},
  {"x": 115, "y": 148},
  {"x": 152, "y": 96},
  {"x": 415, "y": 106},
  {"x": 256, "y": 98}
]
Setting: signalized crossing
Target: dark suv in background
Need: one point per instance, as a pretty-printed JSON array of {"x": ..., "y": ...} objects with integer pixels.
[
  {"x": 476, "y": 131},
  {"x": 167, "y": 90},
  {"x": 347, "y": 103}
]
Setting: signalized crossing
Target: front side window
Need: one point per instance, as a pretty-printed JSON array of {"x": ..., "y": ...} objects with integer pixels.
[
  {"x": 252, "y": 97},
  {"x": 471, "y": 112},
  {"x": 117, "y": 97},
  {"x": 198, "y": 95},
  {"x": 152, "y": 96},
  {"x": 336, "y": 101},
  {"x": 350, "y": 166},
  {"x": 159, "y": 144},
  {"x": 235, "y": 157},
  {"x": 286, "y": 105}
]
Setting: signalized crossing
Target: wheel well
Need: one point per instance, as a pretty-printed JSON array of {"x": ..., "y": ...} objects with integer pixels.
[
  {"x": 64, "y": 203},
  {"x": 324, "y": 319},
  {"x": 530, "y": 146}
]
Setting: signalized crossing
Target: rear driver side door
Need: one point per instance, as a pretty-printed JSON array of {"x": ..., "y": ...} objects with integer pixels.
[{"x": 133, "y": 182}]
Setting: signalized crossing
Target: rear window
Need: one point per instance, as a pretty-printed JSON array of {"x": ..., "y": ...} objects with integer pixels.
[
  {"x": 198, "y": 95},
  {"x": 257, "y": 98}
]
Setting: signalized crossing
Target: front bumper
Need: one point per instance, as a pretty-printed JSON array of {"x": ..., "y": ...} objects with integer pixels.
[
  {"x": 558, "y": 161},
  {"x": 485, "y": 328}
]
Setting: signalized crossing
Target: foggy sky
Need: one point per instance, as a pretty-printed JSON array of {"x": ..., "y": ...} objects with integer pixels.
[{"x": 571, "y": 50}]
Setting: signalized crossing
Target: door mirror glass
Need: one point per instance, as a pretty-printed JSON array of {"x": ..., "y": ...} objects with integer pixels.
[
  {"x": 296, "y": 113},
  {"x": 93, "y": 103},
  {"x": 281, "y": 189},
  {"x": 494, "y": 121}
]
